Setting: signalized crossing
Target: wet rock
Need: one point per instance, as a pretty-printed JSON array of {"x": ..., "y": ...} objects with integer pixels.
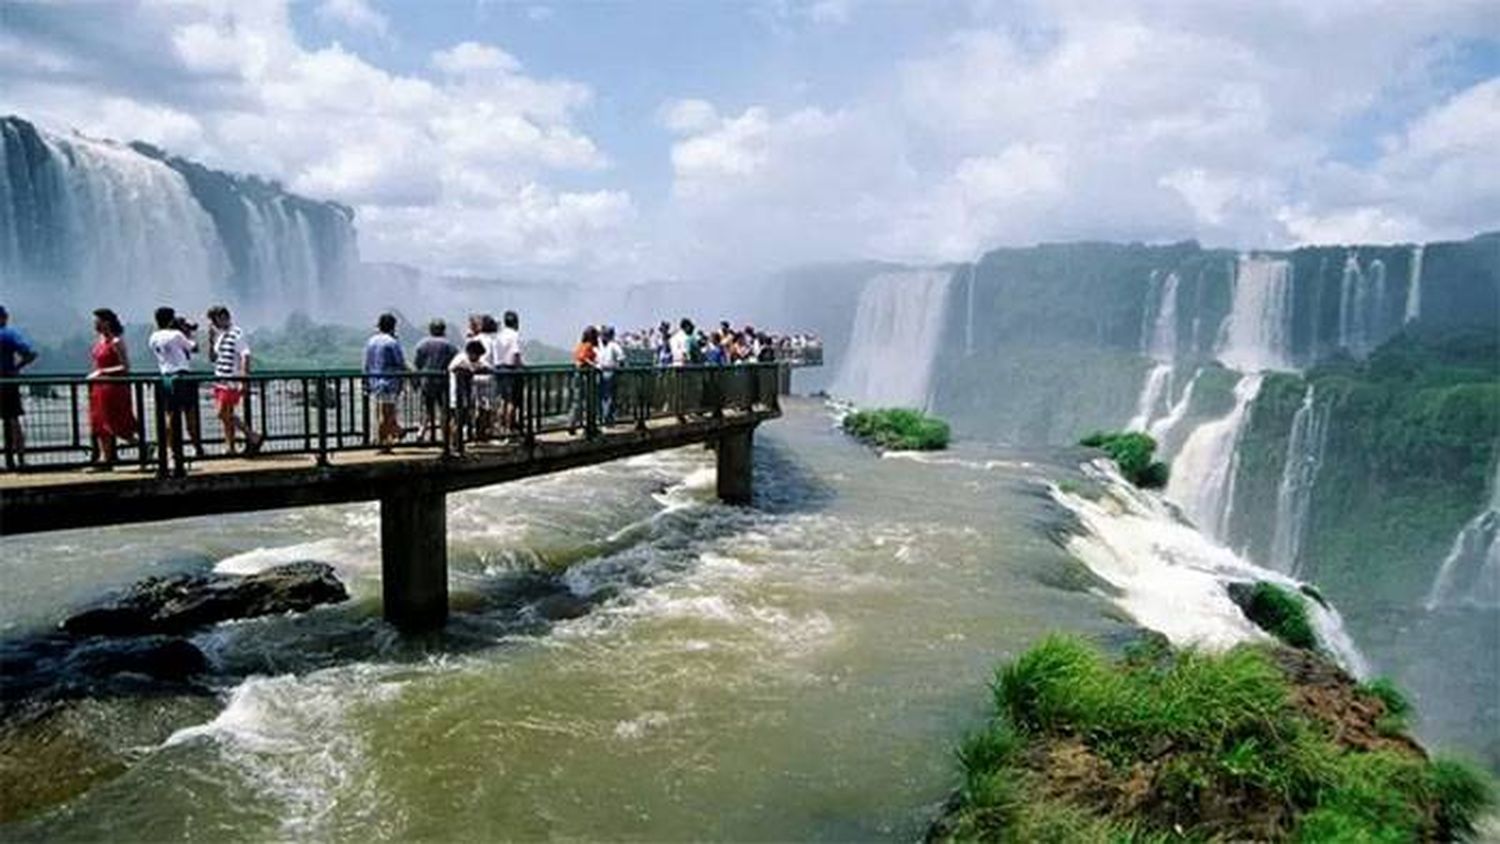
[
  {"x": 562, "y": 606},
  {"x": 182, "y": 603},
  {"x": 37, "y": 669}
]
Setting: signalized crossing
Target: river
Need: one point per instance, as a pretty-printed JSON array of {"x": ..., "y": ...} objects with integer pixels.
[{"x": 799, "y": 670}]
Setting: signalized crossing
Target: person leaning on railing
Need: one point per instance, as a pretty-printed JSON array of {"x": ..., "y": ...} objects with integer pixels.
[
  {"x": 15, "y": 355},
  {"x": 384, "y": 365},
  {"x": 433, "y": 355},
  {"x": 173, "y": 345},
  {"x": 230, "y": 354}
]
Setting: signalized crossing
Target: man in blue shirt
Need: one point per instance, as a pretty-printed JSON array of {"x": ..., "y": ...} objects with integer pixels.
[
  {"x": 384, "y": 362},
  {"x": 15, "y": 355}
]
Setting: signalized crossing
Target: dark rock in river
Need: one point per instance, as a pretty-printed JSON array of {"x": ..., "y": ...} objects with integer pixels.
[
  {"x": 57, "y": 666},
  {"x": 184, "y": 602}
]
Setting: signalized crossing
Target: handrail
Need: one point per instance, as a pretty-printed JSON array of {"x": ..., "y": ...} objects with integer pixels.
[{"x": 324, "y": 412}]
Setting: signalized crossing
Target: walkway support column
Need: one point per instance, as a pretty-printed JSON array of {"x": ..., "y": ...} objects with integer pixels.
[
  {"x": 735, "y": 453},
  {"x": 414, "y": 556}
]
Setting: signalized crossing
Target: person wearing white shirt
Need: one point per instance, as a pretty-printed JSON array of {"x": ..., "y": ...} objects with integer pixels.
[
  {"x": 609, "y": 357},
  {"x": 507, "y": 356},
  {"x": 682, "y": 343},
  {"x": 173, "y": 349}
]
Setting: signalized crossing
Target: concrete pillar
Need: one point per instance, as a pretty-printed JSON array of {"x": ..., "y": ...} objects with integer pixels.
[
  {"x": 734, "y": 464},
  {"x": 414, "y": 557}
]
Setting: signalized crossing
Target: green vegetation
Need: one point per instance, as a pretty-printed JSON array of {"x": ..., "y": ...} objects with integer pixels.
[
  {"x": 1278, "y": 611},
  {"x": 898, "y": 428},
  {"x": 1398, "y": 709},
  {"x": 1186, "y": 745},
  {"x": 1132, "y": 452}
]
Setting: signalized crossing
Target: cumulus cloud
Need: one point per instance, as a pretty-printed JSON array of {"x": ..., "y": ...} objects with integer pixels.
[{"x": 416, "y": 154}]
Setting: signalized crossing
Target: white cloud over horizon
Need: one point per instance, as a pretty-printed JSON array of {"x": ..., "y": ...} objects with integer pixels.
[{"x": 1255, "y": 126}]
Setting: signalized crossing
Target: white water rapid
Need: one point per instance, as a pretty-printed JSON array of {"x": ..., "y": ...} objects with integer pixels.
[
  {"x": 1203, "y": 472},
  {"x": 1470, "y": 574},
  {"x": 897, "y": 327},
  {"x": 1171, "y": 577},
  {"x": 1299, "y": 474},
  {"x": 1257, "y": 333}
]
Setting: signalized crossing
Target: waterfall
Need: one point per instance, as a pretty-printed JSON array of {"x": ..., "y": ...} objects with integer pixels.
[
  {"x": 85, "y": 223},
  {"x": 1362, "y": 305},
  {"x": 1202, "y": 479},
  {"x": 1165, "y": 426},
  {"x": 1257, "y": 332},
  {"x": 1159, "y": 341},
  {"x": 1414, "y": 287},
  {"x": 1470, "y": 574},
  {"x": 898, "y": 324},
  {"x": 969, "y": 321},
  {"x": 1304, "y": 457}
]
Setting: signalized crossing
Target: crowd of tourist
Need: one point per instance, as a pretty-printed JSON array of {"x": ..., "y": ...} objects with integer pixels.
[{"x": 475, "y": 377}]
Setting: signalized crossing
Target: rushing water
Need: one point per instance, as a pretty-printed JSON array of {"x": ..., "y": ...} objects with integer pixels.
[
  {"x": 1203, "y": 473},
  {"x": 897, "y": 327},
  {"x": 1299, "y": 475},
  {"x": 801, "y": 670}
]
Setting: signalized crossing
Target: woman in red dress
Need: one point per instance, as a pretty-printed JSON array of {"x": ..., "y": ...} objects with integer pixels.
[{"x": 110, "y": 413}]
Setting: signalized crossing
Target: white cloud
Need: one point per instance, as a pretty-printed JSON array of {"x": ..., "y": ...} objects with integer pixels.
[
  {"x": 357, "y": 15},
  {"x": 473, "y": 58},
  {"x": 684, "y": 117}
]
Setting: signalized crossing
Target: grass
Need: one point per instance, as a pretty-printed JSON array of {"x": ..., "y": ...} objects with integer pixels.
[
  {"x": 1398, "y": 710},
  {"x": 897, "y": 428},
  {"x": 1188, "y": 746},
  {"x": 1280, "y": 612},
  {"x": 1132, "y": 452}
]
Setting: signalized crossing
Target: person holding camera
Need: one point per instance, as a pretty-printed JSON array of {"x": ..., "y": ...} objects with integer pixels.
[{"x": 172, "y": 343}]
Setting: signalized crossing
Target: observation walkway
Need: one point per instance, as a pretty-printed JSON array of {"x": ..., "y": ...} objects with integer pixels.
[{"x": 321, "y": 447}]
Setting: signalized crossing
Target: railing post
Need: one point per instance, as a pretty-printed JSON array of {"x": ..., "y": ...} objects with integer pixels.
[
  {"x": 307, "y": 411},
  {"x": 591, "y": 407},
  {"x": 530, "y": 398},
  {"x": 322, "y": 421},
  {"x": 645, "y": 396}
]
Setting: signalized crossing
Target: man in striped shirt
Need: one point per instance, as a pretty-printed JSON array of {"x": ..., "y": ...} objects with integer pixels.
[{"x": 230, "y": 354}]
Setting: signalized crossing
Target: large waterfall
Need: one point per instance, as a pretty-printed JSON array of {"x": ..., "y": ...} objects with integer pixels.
[
  {"x": 1203, "y": 473},
  {"x": 1257, "y": 333},
  {"x": 1304, "y": 456},
  {"x": 897, "y": 327},
  {"x": 1362, "y": 306},
  {"x": 1470, "y": 574},
  {"x": 1159, "y": 339},
  {"x": 87, "y": 223},
  {"x": 1414, "y": 286}
]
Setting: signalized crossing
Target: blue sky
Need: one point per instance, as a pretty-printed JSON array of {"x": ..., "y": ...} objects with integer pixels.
[{"x": 633, "y": 140}]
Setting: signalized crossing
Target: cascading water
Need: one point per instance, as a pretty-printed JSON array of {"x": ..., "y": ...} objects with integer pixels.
[
  {"x": 1470, "y": 574},
  {"x": 1164, "y": 427},
  {"x": 1203, "y": 473},
  {"x": 1257, "y": 332},
  {"x": 897, "y": 326},
  {"x": 1362, "y": 306},
  {"x": 1159, "y": 341},
  {"x": 1299, "y": 474},
  {"x": 1414, "y": 287},
  {"x": 88, "y": 223},
  {"x": 969, "y": 317}
]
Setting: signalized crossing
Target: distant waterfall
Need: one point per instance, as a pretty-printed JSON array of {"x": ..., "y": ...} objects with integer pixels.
[
  {"x": 1362, "y": 306},
  {"x": 1163, "y": 428},
  {"x": 1304, "y": 457},
  {"x": 86, "y": 223},
  {"x": 1203, "y": 472},
  {"x": 1470, "y": 574},
  {"x": 897, "y": 327},
  {"x": 1257, "y": 333},
  {"x": 1414, "y": 287},
  {"x": 1159, "y": 341},
  {"x": 969, "y": 317}
]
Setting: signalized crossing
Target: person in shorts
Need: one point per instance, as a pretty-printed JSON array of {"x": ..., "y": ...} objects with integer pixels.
[
  {"x": 433, "y": 355},
  {"x": 384, "y": 363},
  {"x": 230, "y": 353},
  {"x": 15, "y": 354},
  {"x": 463, "y": 385}
]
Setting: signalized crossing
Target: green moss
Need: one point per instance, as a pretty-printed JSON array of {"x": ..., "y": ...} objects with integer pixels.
[
  {"x": 1280, "y": 612},
  {"x": 1398, "y": 709},
  {"x": 1187, "y": 746},
  {"x": 898, "y": 428},
  {"x": 1132, "y": 452}
]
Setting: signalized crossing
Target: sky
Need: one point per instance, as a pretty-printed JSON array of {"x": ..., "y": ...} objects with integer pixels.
[{"x": 704, "y": 138}]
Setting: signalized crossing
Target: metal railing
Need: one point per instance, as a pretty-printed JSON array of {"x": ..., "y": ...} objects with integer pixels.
[{"x": 323, "y": 413}]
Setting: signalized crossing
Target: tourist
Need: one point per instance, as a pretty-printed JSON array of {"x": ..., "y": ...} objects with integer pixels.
[
  {"x": 230, "y": 354},
  {"x": 509, "y": 362},
  {"x": 433, "y": 355},
  {"x": 585, "y": 355},
  {"x": 173, "y": 345},
  {"x": 713, "y": 353},
  {"x": 610, "y": 358},
  {"x": 463, "y": 372},
  {"x": 15, "y": 354},
  {"x": 664, "y": 344},
  {"x": 111, "y": 416},
  {"x": 385, "y": 363},
  {"x": 682, "y": 343},
  {"x": 486, "y": 333}
]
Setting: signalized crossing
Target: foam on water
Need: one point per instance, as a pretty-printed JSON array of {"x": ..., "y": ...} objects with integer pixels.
[{"x": 1172, "y": 578}]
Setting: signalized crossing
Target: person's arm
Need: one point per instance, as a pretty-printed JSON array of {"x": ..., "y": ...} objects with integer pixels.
[
  {"x": 121, "y": 368},
  {"x": 25, "y": 354},
  {"x": 244, "y": 352}
]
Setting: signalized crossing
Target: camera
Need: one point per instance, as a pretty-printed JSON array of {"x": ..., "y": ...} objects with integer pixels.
[{"x": 185, "y": 325}]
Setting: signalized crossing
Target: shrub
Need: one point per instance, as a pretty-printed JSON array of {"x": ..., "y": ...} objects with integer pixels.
[
  {"x": 898, "y": 428},
  {"x": 1397, "y": 707},
  {"x": 1132, "y": 452},
  {"x": 1280, "y": 612}
]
